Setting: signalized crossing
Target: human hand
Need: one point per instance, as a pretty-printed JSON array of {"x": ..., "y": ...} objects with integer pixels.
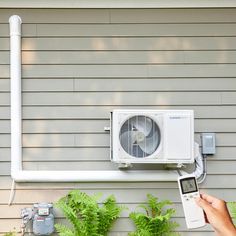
[{"x": 217, "y": 215}]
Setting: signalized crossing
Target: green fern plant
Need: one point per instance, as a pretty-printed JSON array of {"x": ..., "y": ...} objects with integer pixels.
[
  {"x": 232, "y": 210},
  {"x": 85, "y": 215},
  {"x": 154, "y": 221}
]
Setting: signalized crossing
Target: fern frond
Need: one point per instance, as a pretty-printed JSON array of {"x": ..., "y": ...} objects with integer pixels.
[
  {"x": 108, "y": 213},
  {"x": 156, "y": 221},
  {"x": 145, "y": 207},
  {"x": 85, "y": 215},
  {"x": 69, "y": 212},
  {"x": 63, "y": 230},
  {"x": 140, "y": 220}
]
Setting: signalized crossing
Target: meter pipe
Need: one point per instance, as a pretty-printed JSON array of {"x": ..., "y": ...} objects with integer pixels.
[{"x": 20, "y": 175}]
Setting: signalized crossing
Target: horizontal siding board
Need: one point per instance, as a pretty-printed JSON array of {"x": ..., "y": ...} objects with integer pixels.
[
  {"x": 102, "y": 153},
  {"x": 60, "y": 126},
  {"x": 214, "y": 167},
  {"x": 63, "y": 84},
  {"x": 62, "y": 71},
  {"x": 4, "y": 44},
  {"x": 4, "y": 112},
  {"x": 46, "y": 140},
  {"x": 4, "y": 71},
  {"x": 84, "y": 70},
  {"x": 221, "y": 125},
  {"x": 223, "y": 139},
  {"x": 229, "y": 98},
  {"x": 71, "y": 166},
  {"x": 120, "y": 15},
  {"x": 222, "y": 167},
  {"x": 89, "y": 154},
  {"x": 4, "y": 126},
  {"x": 28, "y": 30},
  {"x": 102, "y": 57},
  {"x": 223, "y": 70},
  {"x": 150, "y": 4},
  {"x": 55, "y": 16},
  {"x": 225, "y": 152},
  {"x": 124, "y": 43},
  {"x": 95, "y": 140},
  {"x": 120, "y": 98},
  {"x": 209, "y": 57},
  {"x": 156, "y": 84},
  {"x": 5, "y": 154},
  {"x": 5, "y": 168},
  {"x": 4, "y": 30},
  {"x": 4, "y": 85},
  {"x": 134, "y": 196},
  {"x": 103, "y": 112},
  {"x": 4, "y": 140},
  {"x": 123, "y": 84},
  {"x": 4, "y": 57},
  {"x": 60, "y": 154},
  {"x": 171, "y": 15},
  {"x": 91, "y": 140},
  {"x": 123, "y": 57},
  {"x": 97, "y": 126},
  {"x": 84, "y": 153},
  {"x": 70, "y": 154},
  {"x": 216, "y": 29},
  {"x": 65, "y": 140}
]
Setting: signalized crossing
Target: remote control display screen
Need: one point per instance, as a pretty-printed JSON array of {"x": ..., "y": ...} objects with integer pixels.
[{"x": 188, "y": 185}]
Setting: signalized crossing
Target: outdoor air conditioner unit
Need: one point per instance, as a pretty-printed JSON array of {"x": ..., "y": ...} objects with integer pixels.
[{"x": 152, "y": 136}]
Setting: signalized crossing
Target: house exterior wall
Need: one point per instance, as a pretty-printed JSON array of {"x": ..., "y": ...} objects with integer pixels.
[{"x": 80, "y": 64}]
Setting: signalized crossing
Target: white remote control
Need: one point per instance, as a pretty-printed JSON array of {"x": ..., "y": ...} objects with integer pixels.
[{"x": 188, "y": 188}]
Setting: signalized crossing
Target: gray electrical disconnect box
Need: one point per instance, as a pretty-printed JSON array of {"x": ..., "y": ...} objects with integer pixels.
[
  {"x": 43, "y": 219},
  {"x": 208, "y": 143}
]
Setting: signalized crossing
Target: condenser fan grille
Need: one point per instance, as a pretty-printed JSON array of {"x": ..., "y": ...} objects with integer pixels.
[{"x": 140, "y": 136}]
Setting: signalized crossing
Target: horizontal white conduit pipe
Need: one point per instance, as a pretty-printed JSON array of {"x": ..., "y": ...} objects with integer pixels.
[{"x": 20, "y": 175}]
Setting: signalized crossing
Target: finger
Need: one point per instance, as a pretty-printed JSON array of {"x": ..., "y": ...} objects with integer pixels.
[
  {"x": 206, "y": 206},
  {"x": 208, "y": 198}
]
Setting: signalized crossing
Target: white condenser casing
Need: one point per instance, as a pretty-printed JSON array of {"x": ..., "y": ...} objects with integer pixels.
[{"x": 152, "y": 136}]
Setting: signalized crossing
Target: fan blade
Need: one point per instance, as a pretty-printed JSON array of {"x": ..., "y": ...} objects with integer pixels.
[
  {"x": 138, "y": 152},
  {"x": 150, "y": 144},
  {"x": 127, "y": 139},
  {"x": 142, "y": 124}
]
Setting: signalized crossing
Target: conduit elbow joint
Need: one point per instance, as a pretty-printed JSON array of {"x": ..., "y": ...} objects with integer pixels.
[{"x": 15, "y": 25}]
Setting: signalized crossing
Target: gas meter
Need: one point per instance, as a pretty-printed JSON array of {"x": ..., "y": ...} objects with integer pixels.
[{"x": 42, "y": 218}]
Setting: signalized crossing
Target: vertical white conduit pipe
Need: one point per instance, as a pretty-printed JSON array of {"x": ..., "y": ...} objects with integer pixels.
[
  {"x": 20, "y": 175},
  {"x": 15, "y": 72}
]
